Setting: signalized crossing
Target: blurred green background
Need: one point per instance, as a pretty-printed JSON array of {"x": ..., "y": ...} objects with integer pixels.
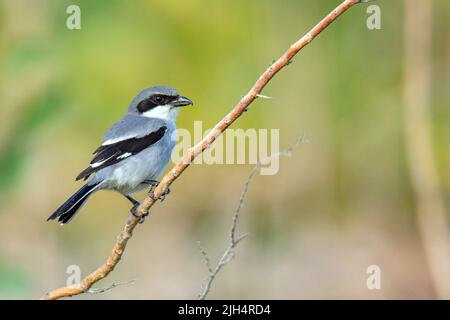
[{"x": 342, "y": 202}]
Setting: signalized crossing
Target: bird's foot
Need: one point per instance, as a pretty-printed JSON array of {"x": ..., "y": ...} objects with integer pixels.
[
  {"x": 133, "y": 211},
  {"x": 151, "y": 192}
]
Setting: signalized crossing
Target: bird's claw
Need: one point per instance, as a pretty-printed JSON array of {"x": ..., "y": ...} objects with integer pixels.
[
  {"x": 133, "y": 211},
  {"x": 151, "y": 193},
  {"x": 142, "y": 220}
]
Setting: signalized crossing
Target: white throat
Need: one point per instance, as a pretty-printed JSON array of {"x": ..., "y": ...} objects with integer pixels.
[{"x": 166, "y": 112}]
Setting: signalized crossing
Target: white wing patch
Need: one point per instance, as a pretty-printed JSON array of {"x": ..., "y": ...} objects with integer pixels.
[
  {"x": 125, "y": 155},
  {"x": 122, "y": 156},
  {"x": 118, "y": 139},
  {"x": 98, "y": 164}
]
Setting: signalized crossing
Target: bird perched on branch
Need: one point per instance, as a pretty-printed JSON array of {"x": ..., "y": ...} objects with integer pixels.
[{"x": 135, "y": 151}]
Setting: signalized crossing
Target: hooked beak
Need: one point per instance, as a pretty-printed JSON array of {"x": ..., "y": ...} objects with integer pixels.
[{"x": 182, "y": 101}]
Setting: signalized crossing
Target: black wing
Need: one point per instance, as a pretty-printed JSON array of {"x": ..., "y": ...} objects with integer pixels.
[{"x": 110, "y": 154}]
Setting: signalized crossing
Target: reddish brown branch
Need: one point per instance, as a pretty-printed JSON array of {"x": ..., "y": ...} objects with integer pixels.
[{"x": 174, "y": 173}]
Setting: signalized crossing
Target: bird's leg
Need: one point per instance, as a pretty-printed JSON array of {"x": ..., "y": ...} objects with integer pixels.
[
  {"x": 133, "y": 210},
  {"x": 153, "y": 184},
  {"x": 135, "y": 203},
  {"x": 131, "y": 199}
]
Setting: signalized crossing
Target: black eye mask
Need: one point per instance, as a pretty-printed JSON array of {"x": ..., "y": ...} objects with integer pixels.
[{"x": 154, "y": 101}]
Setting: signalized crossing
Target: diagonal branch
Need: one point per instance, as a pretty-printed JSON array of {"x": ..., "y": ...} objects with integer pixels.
[{"x": 177, "y": 170}]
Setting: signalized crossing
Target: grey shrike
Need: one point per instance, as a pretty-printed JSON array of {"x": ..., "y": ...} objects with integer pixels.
[{"x": 135, "y": 151}]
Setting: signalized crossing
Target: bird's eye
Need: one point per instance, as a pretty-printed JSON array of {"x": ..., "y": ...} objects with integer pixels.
[{"x": 158, "y": 99}]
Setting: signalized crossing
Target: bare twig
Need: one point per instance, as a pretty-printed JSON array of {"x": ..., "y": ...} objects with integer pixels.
[
  {"x": 228, "y": 255},
  {"x": 205, "y": 257},
  {"x": 112, "y": 286},
  {"x": 263, "y": 96},
  {"x": 192, "y": 153}
]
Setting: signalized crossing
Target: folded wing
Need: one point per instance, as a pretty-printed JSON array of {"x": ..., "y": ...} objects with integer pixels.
[{"x": 111, "y": 153}]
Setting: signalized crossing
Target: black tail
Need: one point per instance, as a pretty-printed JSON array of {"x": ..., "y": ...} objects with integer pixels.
[{"x": 66, "y": 212}]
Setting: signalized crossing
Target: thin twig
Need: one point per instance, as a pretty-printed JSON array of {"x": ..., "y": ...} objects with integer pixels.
[
  {"x": 263, "y": 96},
  {"x": 192, "y": 153},
  {"x": 229, "y": 251},
  {"x": 205, "y": 257},
  {"x": 112, "y": 286}
]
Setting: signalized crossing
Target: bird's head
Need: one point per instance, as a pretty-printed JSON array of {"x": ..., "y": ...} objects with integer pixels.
[{"x": 158, "y": 102}]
